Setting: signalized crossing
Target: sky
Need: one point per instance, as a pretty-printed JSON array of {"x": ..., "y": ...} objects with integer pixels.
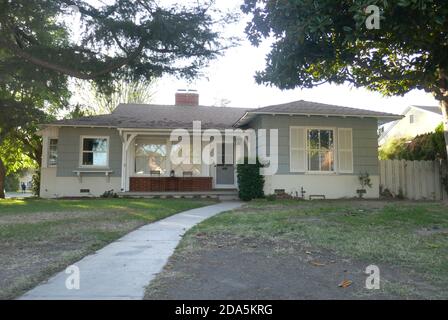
[{"x": 231, "y": 77}]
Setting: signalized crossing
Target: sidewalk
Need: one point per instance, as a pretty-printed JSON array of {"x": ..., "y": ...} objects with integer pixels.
[
  {"x": 18, "y": 195},
  {"x": 123, "y": 269}
]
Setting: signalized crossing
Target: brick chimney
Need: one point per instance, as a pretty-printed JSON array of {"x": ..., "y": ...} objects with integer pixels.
[{"x": 187, "y": 98}]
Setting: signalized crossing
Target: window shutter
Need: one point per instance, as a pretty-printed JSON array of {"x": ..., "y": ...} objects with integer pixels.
[
  {"x": 345, "y": 150},
  {"x": 297, "y": 149}
]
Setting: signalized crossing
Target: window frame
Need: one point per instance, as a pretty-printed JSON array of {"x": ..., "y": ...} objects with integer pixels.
[
  {"x": 49, "y": 150},
  {"x": 335, "y": 149},
  {"x": 154, "y": 141},
  {"x": 81, "y": 151}
]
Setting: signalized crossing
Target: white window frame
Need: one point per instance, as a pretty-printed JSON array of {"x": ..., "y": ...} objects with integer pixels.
[
  {"x": 345, "y": 150},
  {"x": 335, "y": 149},
  {"x": 81, "y": 151},
  {"x": 48, "y": 152}
]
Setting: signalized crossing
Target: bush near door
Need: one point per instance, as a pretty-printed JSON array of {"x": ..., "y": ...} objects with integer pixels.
[{"x": 250, "y": 181}]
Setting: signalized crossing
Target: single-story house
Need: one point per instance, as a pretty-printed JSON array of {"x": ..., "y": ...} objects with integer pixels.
[
  {"x": 416, "y": 120},
  {"x": 322, "y": 149}
]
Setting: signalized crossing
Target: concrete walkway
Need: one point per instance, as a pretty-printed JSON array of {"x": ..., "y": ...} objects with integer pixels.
[
  {"x": 123, "y": 269},
  {"x": 18, "y": 195}
]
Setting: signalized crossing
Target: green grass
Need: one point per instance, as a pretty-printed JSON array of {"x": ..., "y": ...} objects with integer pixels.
[
  {"x": 39, "y": 237},
  {"x": 409, "y": 235}
]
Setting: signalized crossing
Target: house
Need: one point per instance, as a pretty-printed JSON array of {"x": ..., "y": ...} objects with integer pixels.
[
  {"x": 416, "y": 120},
  {"x": 318, "y": 147}
]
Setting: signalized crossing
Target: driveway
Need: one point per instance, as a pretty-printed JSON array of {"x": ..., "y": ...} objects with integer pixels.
[{"x": 124, "y": 268}]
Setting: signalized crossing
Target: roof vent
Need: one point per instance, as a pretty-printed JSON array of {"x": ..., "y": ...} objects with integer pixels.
[{"x": 187, "y": 97}]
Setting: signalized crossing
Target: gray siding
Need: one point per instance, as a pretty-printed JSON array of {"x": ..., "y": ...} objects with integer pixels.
[
  {"x": 364, "y": 130},
  {"x": 69, "y": 150}
]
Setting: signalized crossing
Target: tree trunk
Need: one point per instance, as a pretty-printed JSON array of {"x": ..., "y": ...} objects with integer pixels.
[{"x": 2, "y": 179}]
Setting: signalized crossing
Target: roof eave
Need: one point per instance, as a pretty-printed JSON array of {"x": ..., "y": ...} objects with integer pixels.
[{"x": 391, "y": 117}]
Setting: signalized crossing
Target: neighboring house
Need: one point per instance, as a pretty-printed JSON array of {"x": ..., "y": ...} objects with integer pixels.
[
  {"x": 321, "y": 148},
  {"x": 416, "y": 120}
]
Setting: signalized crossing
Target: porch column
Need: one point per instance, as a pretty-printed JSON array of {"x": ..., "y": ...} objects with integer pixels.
[{"x": 126, "y": 142}]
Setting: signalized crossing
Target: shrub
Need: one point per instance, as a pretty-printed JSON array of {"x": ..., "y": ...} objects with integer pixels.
[
  {"x": 12, "y": 183},
  {"x": 109, "y": 194},
  {"x": 35, "y": 184},
  {"x": 429, "y": 146},
  {"x": 250, "y": 181}
]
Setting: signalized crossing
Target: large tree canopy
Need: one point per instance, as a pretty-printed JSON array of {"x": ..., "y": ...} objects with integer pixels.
[
  {"x": 327, "y": 41},
  {"x": 137, "y": 39}
]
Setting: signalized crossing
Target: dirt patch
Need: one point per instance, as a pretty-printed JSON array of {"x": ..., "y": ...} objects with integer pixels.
[{"x": 244, "y": 268}]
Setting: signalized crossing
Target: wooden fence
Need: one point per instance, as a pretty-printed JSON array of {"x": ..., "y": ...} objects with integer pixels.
[{"x": 415, "y": 180}]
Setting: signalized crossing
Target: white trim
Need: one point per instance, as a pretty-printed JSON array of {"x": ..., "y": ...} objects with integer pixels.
[
  {"x": 250, "y": 114},
  {"x": 81, "y": 151},
  {"x": 291, "y": 148},
  {"x": 48, "y": 165},
  {"x": 80, "y": 172}
]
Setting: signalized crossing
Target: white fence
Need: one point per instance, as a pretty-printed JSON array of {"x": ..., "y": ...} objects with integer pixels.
[{"x": 416, "y": 180}]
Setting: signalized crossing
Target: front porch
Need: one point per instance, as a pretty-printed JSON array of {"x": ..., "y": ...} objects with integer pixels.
[{"x": 147, "y": 168}]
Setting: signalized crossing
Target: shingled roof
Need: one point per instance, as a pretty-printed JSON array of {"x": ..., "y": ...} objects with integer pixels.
[
  {"x": 308, "y": 108},
  {"x": 139, "y": 116},
  {"x": 433, "y": 109}
]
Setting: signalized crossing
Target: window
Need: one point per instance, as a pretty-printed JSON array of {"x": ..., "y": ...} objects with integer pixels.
[
  {"x": 411, "y": 118},
  {"x": 95, "y": 151},
  {"x": 52, "y": 152},
  {"x": 150, "y": 157},
  {"x": 314, "y": 150},
  {"x": 320, "y": 150}
]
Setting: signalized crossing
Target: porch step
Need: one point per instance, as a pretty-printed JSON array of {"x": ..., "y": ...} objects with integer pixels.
[{"x": 225, "y": 194}]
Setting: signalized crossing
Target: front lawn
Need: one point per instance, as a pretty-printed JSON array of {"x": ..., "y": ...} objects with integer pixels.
[
  {"x": 292, "y": 249},
  {"x": 41, "y": 237}
]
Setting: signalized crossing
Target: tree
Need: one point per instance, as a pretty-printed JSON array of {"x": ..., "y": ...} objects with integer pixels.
[
  {"x": 328, "y": 41},
  {"x": 122, "y": 38},
  {"x": 20, "y": 145},
  {"x": 98, "y": 102}
]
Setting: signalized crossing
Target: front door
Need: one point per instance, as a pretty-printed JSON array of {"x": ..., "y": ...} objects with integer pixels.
[{"x": 225, "y": 172}]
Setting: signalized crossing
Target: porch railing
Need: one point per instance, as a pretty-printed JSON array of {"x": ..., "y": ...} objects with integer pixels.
[{"x": 167, "y": 184}]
